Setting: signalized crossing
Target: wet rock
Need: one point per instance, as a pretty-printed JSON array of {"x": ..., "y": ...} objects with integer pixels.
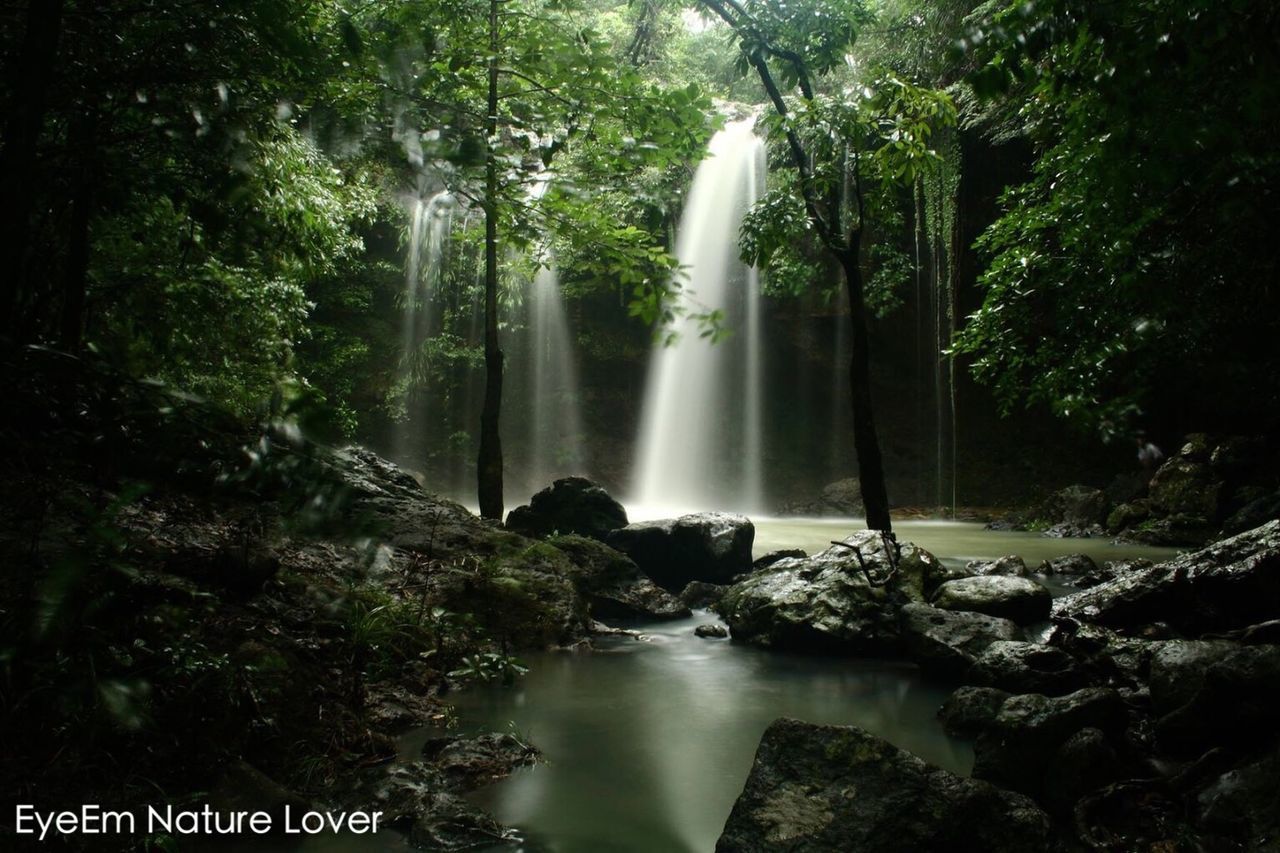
[
  {"x": 613, "y": 585},
  {"x": 416, "y": 799},
  {"x": 840, "y": 788},
  {"x": 706, "y": 546},
  {"x": 1253, "y": 514},
  {"x": 774, "y": 556},
  {"x": 1185, "y": 486},
  {"x": 468, "y": 763},
  {"x": 1243, "y": 805},
  {"x": 569, "y": 505},
  {"x": 1236, "y": 704},
  {"x": 1012, "y": 565},
  {"x": 1127, "y": 515},
  {"x": 970, "y": 710},
  {"x": 1230, "y": 584},
  {"x": 1071, "y": 564},
  {"x": 829, "y": 602},
  {"x": 1016, "y": 751},
  {"x": 1021, "y": 600},
  {"x": 1075, "y": 506},
  {"x": 1027, "y": 668},
  {"x": 841, "y": 498},
  {"x": 711, "y": 631},
  {"x": 1081, "y": 765},
  {"x": 702, "y": 595},
  {"x": 946, "y": 643},
  {"x": 1178, "y": 668}
]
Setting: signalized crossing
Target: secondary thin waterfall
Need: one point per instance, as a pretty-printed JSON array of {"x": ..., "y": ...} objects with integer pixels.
[
  {"x": 701, "y": 429},
  {"x": 555, "y": 418},
  {"x": 430, "y": 222}
]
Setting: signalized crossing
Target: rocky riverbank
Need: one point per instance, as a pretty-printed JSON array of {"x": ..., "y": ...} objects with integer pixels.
[{"x": 1134, "y": 714}]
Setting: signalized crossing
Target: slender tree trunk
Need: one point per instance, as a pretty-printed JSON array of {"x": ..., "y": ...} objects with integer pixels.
[
  {"x": 489, "y": 465},
  {"x": 866, "y": 444},
  {"x": 17, "y": 164}
]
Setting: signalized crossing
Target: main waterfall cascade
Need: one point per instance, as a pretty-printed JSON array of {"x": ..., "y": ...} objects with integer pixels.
[{"x": 701, "y": 434}]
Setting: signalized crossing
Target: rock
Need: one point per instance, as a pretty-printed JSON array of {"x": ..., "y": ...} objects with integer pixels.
[
  {"x": 1027, "y": 668},
  {"x": 971, "y": 710},
  {"x": 1128, "y": 515},
  {"x": 826, "y": 603},
  {"x": 841, "y": 498},
  {"x": 1017, "y": 749},
  {"x": 1230, "y": 584},
  {"x": 1021, "y": 600},
  {"x": 706, "y": 546},
  {"x": 941, "y": 572},
  {"x": 1185, "y": 486},
  {"x": 416, "y": 798},
  {"x": 1243, "y": 805},
  {"x": 1012, "y": 565},
  {"x": 774, "y": 556},
  {"x": 702, "y": 595},
  {"x": 1078, "y": 506},
  {"x": 946, "y": 643},
  {"x": 569, "y": 505},
  {"x": 1235, "y": 705},
  {"x": 1071, "y": 564},
  {"x": 1253, "y": 514},
  {"x": 613, "y": 585},
  {"x": 817, "y": 788},
  {"x": 712, "y": 631},
  {"x": 1177, "y": 670},
  {"x": 473, "y": 762},
  {"x": 1081, "y": 765}
]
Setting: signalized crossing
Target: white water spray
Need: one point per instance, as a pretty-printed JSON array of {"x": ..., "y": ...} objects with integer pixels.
[{"x": 701, "y": 438}]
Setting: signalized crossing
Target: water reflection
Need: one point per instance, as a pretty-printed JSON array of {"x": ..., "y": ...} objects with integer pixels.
[{"x": 648, "y": 747}]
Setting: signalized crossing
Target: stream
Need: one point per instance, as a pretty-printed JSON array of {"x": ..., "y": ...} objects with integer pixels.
[{"x": 648, "y": 742}]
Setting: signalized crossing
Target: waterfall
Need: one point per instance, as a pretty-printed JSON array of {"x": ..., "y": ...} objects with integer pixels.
[
  {"x": 430, "y": 223},
  {"x": 700, "y": 444},
  {"x": 554, "y": 417}
]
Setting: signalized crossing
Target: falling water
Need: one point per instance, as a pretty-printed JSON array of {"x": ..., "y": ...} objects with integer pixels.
[
  {"x": 554, "y": 415},
  {"x": 700, "y": 443},
  {"x": 430, "y": 222}
]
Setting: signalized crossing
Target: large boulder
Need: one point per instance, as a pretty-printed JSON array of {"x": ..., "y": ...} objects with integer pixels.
[
  {"x": 843, "y": 600},
  {"x": 706, "y": 546},
  {"x": 613, "y": 584},
  {"x": 841, "y": 498},
  {"x": 1027, "y": 668},
  {"x": 970, "y": 710},
  {"x": 1017, "y": 749},
  {"x": 1075, "y": 511},
  {"x": 946, "y": 643},
  {"x": 820, "y": 788},
  {"x": 1229, "y": 584},
  {"x": 1011, "y": 564},
  {"x": 569, "y": 505},
  {"x": 1018, "y": 599},
  {"x": 1235, "y": 702}
]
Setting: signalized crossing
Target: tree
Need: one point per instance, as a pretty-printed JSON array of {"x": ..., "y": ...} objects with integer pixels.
[
  {"x": 840, "y": 145},
  {"x": 1131, "y": 279}
]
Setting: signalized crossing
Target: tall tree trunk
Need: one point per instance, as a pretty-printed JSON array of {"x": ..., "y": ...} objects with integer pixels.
[
  {"x": 489, "y": 465},
  {"x": 875, "y": 497},
  {"x": 17, "y": 163}
]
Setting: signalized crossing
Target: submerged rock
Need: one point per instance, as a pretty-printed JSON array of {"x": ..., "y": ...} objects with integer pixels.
[
  {"x": 569, "y": 505},
  {"x": 947, "y": 643},
  {"x": 830, "y": 602},
  {"x": 1230, "y": 584},
  {"x": 705, "y": 546},
  {"x": 824, "y": 788},
  {"x": 1018, "y": 599},
  {"x": 613, "y": 585}
]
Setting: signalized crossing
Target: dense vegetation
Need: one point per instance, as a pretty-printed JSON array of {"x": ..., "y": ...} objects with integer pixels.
[{"x": 209, "y": 207}]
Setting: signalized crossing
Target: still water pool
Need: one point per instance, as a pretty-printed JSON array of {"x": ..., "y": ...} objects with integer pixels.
[{"x": 649, "y": 741}]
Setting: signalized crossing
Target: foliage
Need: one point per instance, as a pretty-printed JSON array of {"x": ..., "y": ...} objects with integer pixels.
[{"x": 1132, "y": 274}]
